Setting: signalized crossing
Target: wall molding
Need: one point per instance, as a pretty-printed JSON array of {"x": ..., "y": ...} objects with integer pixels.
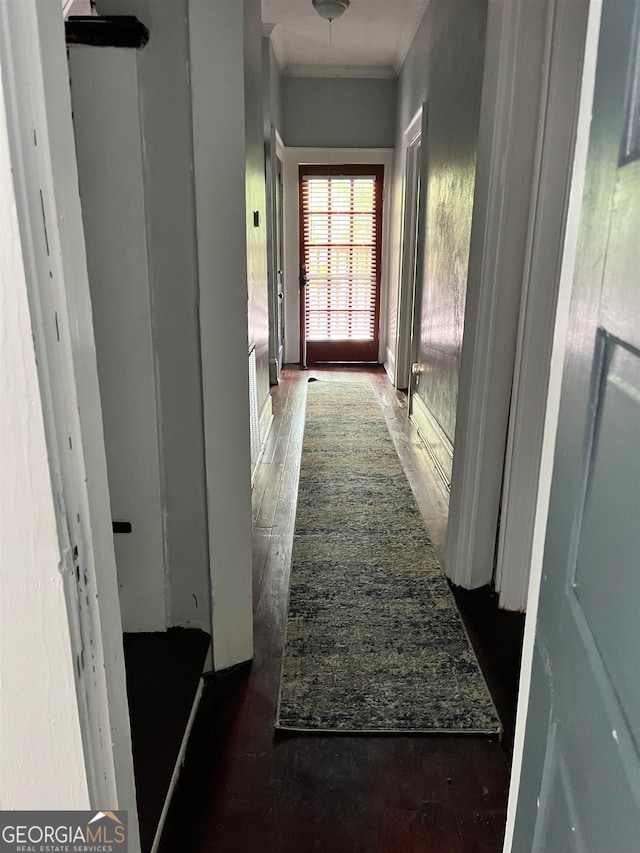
[
  {"x": 437, "y": 443},
  {"x": 390, "y": 364},
  {"x": 45, "y": 180},
  {"x": 265, "y": 424},
  {"x": 409, "y": 34},
  {"x": 370, "y": 72},
  {"x": 538, "y": 309}
]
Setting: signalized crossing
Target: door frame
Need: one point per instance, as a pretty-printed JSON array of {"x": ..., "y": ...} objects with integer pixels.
[
  {"x": 216, "y": 45},
  {"x": 559, "y": 343},
  {"x": 540, "y": 291},
  {"x": 351, "y": 170},
  {"x": 292, "y": 159},
  {"x": 399, "y": 361},
  {"x": 33, "y": 63},
  {"x": 516, "y": 73},
  {"x": 279, "y": 250},
  {"x": 273, "y": 153}
]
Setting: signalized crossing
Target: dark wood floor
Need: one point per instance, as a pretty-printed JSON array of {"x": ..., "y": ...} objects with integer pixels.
[
  {"x": 247, "y": 788},
  {"x": 163, "y": 674}
]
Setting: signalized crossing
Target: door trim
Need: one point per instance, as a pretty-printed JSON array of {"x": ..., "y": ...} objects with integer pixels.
[
  {"x": 514, "y": 78},
  {"x": 35, "y": 73},
  {"x": 561, "y": 327},
  {"x": 352, "y": 350},
  {"x": 434, "y": 439},
  {"x": 279, "y": 180},
  {"x": 399, "y": 358},
  {"x": 294, "y": 158},
  {"x": 538, "y": 306},
  {"x": 273, "y": 154}
]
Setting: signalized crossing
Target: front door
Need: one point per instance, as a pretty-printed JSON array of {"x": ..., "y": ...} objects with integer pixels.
[
  {"x": 580, "y": 780},
  {"x": 340, "y": 247}
]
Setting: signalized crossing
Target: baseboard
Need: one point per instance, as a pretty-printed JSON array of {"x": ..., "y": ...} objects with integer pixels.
[
  {"x": 178, "y": 765},
  {"x": 437, "y": 443},
  {"x": 274, "y": 371},
  {"x": 390, "y": 365},
  {"x": 265, "y": 420}
]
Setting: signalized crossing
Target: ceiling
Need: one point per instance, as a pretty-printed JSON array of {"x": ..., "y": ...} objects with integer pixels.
[{"x": 371, "y": 39}]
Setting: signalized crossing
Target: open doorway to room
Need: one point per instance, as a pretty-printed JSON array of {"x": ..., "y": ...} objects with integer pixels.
[
  {"x": 149, "y": 387},
  {"x": 279, "y": 271},
  {"x": 408, "y": 297}
]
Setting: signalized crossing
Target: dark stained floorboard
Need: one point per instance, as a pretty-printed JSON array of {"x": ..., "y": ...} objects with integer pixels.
[
  {"x": 163, "y": 674},
  {"x": 247, "y": 788}
]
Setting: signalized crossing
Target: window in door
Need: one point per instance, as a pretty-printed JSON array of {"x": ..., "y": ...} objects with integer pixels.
[{"x": 340, "y": 247}]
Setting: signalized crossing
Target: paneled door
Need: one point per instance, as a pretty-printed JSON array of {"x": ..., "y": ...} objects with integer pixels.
[
  {"x": 340, "y": 247},
  {"x": 580, "y": 782}
]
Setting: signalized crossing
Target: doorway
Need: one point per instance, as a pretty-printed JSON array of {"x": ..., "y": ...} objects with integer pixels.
[
  {"x": 279, "y": 249},
  {"x": 340, "y": 262},
  {"x": 412, "y": 242}
]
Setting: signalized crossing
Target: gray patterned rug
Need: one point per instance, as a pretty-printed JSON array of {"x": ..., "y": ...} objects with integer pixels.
[{"x": 374, "y": 640}]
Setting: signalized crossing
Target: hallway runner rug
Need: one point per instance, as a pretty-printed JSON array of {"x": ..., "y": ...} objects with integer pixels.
[{"x": 374, "y": 640}]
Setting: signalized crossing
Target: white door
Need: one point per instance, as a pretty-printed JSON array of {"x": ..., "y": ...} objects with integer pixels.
[{"x": 580, "y": 779}]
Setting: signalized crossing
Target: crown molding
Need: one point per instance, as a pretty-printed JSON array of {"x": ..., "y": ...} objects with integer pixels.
[
  {"x": 408, "y": 35},
  {"x": 385, "y": 72},
  {"x": 273, "y": 33}
]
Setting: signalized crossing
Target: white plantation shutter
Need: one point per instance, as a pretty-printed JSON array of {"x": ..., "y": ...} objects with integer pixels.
[{"x": 341, "y": 252}]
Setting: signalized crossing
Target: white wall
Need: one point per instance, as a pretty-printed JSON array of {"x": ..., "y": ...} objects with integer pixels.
[
  {"x": 293, "y": 158},
  {"x": 272, "y": 81},
  {"x": 109, "y": 146},
  {"x": 256, "y": 202},
  {"x": 35, "y": 71},
  {"x": 76, "y": 655},
  {"x": 41, "y": 754},
  {"x": 332, "y": 112},
  {"x": 165, "y": 114},
  {"x": 217, "y": 32}
]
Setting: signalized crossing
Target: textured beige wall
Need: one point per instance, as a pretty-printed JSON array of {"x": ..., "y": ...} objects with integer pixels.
[
  {"x": 444, "y": 70},
  {"x": 456, "y": 62}
]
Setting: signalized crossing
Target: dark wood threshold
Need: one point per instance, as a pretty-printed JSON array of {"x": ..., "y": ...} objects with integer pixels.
[
  {"x": 164, "y": 671},
  {"x": 496, "y": 636}
]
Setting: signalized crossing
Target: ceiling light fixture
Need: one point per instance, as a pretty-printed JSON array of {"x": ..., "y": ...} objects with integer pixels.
[{"x": 330, "y": 10}]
